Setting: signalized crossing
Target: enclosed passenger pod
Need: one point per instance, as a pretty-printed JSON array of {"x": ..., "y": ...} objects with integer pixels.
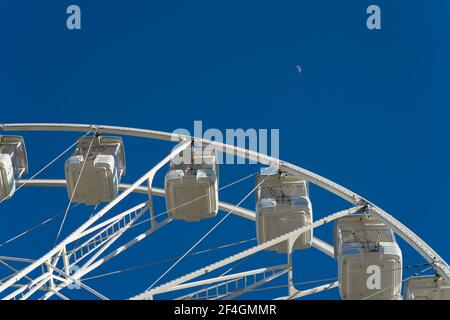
[
  {"x": 426, "y": 288},
  {"x": 13, "y": 164},
  {"x": 282, "y": 205},
  {"x": 101, "y": 162},
  {"x": 191, "y": 186},
  {"x": 369, "y": 259}
]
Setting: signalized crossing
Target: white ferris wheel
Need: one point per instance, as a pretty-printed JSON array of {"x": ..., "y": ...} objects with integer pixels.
[{"x": 368, "y": 258}]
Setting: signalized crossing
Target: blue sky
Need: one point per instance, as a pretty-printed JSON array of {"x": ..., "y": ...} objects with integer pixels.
[{"x": 369, "y": 109}]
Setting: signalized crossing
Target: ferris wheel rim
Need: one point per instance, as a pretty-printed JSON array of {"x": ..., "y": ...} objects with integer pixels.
[{"x": 420, "y": 246}]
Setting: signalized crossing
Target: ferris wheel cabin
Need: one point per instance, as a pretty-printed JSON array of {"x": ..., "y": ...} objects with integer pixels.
[
  {"x": 191, "y": 186},
  {"x": 94, "y": 171},
  {"x": 13, "y": 164},
  {"x": 282, "y": 205},
  {"x": 369, "y": 259},
  {"x": 426, "y": 288}
]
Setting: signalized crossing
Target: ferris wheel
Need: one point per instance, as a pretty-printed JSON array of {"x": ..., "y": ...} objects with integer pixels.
[{"x": 368, "y": 259}]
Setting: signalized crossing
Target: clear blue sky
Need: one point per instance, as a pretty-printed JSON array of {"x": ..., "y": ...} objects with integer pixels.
[{"x": 369, "y": 110}]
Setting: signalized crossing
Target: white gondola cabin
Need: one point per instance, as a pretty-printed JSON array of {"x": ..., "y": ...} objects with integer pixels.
[
  {"x": 282, "y": 205},
  {"x": 369, "y": 259},
  {"x": 426, "y": 288},
  {"x": 13, "y": 164},
  {"x": 101, "y": 160},
  {"x": 191, "y": 186}
]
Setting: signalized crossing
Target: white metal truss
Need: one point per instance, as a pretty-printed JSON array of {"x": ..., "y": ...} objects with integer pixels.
[
  {"x": 291, "y": 236},
  {"x": 100, "y": 241},
  {"x": 96, "y": 238},
  {"x": 232, "y": 286},
  {"x": 307, "y": 292}
]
